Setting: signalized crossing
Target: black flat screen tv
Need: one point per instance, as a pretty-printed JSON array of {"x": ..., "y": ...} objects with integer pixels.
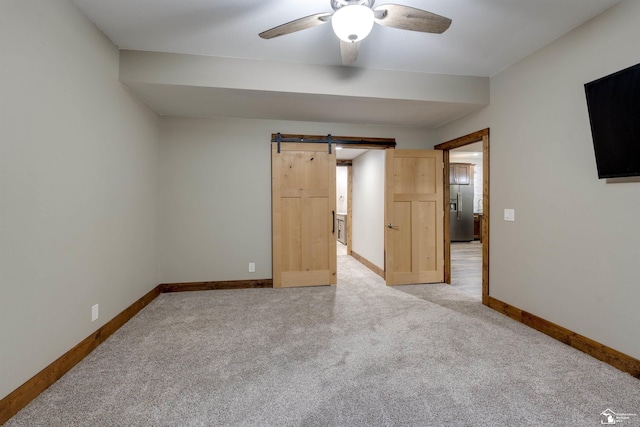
[{"x": 614, "y": 112}]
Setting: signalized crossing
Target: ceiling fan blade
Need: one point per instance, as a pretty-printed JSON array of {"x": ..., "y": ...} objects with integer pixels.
[
  {"x": 409, "y": 18},
  {"x": 349, "y": 52},
  {"x": 297, "y": 25}
]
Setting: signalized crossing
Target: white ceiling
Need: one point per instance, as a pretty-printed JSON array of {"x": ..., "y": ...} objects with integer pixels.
[
  {"x": 485, "y": 37},
  {"x": 349, "y": 153}
]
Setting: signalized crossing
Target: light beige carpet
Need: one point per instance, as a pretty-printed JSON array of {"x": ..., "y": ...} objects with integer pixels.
[{"x": 358, "y": 354}]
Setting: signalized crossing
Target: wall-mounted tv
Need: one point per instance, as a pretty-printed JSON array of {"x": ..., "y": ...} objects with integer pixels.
[{"x": 614, "y": 112}]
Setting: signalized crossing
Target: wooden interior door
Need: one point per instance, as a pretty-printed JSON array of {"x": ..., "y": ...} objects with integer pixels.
[
  {"x": 414, "y": 217},
  {"x": 303, "y": 214}
]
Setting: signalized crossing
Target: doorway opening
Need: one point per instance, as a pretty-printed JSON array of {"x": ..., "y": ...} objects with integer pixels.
[
  {"x": 465, "y": 211},
  {"x": 397, "y": 222},
  {"x": 459, "y": 245},
  {"x": 366, "y": 166}
]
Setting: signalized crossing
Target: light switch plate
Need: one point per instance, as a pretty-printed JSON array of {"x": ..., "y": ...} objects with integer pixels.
[{"x": 509, "y": 215}]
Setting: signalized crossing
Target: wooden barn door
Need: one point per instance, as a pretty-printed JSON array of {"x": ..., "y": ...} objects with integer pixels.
[
  {"x": 414, "y": 215},
  {"x": 303, "y": 214}
]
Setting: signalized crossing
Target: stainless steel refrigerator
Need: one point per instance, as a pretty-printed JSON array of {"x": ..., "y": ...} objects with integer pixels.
[{"x": 461, "y": 209}]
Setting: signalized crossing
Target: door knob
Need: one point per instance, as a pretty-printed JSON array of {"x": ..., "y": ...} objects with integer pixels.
[{"x": 391, "y": 226}]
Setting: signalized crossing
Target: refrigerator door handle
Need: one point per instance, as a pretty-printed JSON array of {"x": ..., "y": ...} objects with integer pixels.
[{"x": 459, "y": 206}]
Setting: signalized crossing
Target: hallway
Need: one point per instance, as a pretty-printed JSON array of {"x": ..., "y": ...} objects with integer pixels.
[{"x": 466, "y": 267}]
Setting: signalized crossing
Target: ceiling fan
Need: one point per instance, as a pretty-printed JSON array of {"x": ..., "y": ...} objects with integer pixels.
[{"x": 352, "y": 21}]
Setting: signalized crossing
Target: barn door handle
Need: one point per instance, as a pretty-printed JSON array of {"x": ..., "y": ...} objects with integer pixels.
[{"x": 333, "y": 215}]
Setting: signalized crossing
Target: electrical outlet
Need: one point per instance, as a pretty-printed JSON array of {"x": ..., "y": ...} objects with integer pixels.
[
  {"x": 509, "y": 215},
  {"x": 252, "y": 267},
  {"x": 94, "y": 313}
]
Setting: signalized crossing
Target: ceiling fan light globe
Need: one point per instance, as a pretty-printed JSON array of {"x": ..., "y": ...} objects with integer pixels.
[{"x": 352, "y": 23}]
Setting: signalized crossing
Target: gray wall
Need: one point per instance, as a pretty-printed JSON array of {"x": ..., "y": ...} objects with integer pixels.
[
  {"x": 216, "y": 192},
  {"x": 368, "y": 206},
  {"x": 78, "y": 186},
  {"x": 572, "y": 255}
]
